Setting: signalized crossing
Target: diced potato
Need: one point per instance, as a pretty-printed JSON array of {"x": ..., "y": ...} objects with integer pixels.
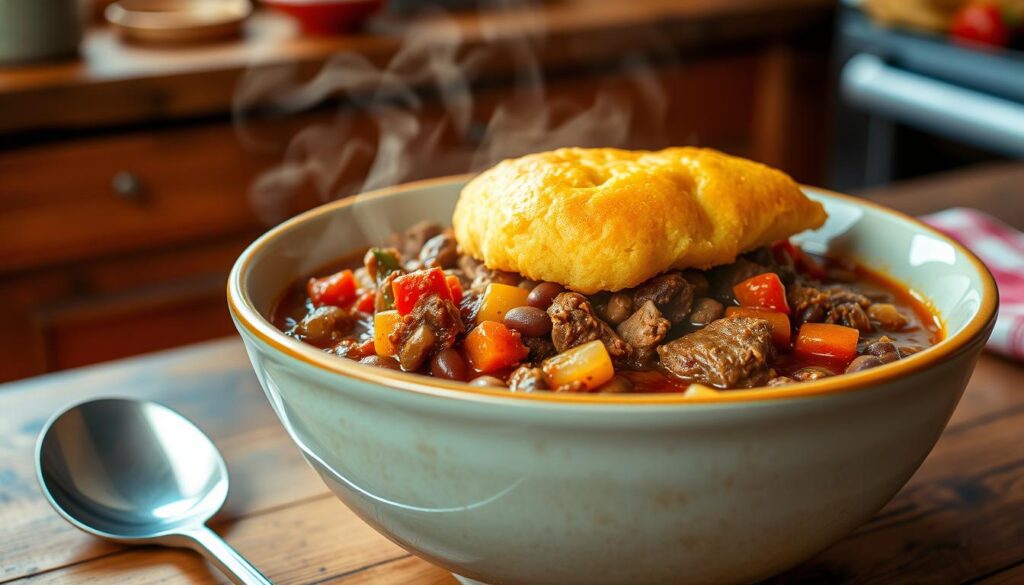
[
  {"x": 384, "y": 324},
  {"x": 583, "y": 368},
  {"x": 498, "y": 299}
]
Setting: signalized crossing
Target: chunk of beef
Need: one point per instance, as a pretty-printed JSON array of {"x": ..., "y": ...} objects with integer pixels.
[
  {"x": 644, "y": 329},
  {"x": 850, "y": 315},
  {"x": 485, "y": 276},
  {"x": 574, "y": 323},
  {"x": 808, "y": 304},
  {"x": 432, "y": 325},
  {"x": 700, "y": 282},
  {"x": 728, "y": 353},
  {"x": 439, "y": 251},
  {"x": 469, "y": 266},
  {"x": 540, "y": 348},
  {"x": 887, "y": 316},
  {"x": 618, "y": 308},
  {"x": 832, "y": 305},
  {"x": 671, "y": 294},
  {"x": 412, "y": 240},
  {"x": 839, "y": 295},
  {"x": 526, "y": 379}
]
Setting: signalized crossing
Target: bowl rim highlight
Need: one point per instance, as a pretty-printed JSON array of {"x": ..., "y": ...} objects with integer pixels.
[{"x": 247, "y": 317}]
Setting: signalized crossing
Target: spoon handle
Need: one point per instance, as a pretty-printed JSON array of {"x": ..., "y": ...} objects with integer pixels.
[{"x": 227, "y": 559}]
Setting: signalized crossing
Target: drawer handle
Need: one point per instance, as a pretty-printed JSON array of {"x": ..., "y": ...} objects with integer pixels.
[
  {"x": 943, "y": 108},
  {"x": 128, "y": 187}
]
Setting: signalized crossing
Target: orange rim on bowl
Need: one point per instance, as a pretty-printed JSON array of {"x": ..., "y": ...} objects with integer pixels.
[{"x": 243, "y": 311}]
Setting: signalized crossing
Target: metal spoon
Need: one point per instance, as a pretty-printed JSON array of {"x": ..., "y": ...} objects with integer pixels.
[{"x": 136, "y": 472}]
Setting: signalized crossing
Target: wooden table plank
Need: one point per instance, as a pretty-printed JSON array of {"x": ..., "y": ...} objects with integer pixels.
[
  {"x": 210, "y": 383},
  {"x": 294, "y": 540},
  {"x": 317, "y": 540}
]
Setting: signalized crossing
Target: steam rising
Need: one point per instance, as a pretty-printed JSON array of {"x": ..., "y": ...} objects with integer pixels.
[{"x": 417, "y": 116}]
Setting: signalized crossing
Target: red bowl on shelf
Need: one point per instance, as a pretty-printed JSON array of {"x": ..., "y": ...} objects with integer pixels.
[{"x": 327, "y": 17}]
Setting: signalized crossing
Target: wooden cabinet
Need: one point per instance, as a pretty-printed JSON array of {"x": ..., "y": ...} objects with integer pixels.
[{"x": 118, "y": 240}]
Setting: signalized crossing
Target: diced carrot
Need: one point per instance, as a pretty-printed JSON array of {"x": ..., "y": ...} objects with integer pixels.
[
  {"x": 498, "y": 299},
  {"x": 365, "y": 302},
  {"x": 337, "y": 289},
  {"x": 384, "y": 324},
  {"x": 764, "y": 291},
  {"x": 583, "y": 368},
  {"x": 455, "y": 286},
  {"x": 825, "y": 340},
  {"x": 409, "y": 288},
  {"x": 780, "y": 322},
  {"x": 491, "y": 346}
]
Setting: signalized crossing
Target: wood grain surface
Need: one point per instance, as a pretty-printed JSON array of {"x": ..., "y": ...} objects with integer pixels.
[{"x": 959, "y": 520}]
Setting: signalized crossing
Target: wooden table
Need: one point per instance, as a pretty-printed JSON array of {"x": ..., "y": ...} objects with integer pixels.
[{"x": 959, "y": 520}]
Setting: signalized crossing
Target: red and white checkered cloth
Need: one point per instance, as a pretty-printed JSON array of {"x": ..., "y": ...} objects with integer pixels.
[{"x": 1001, "y": 248}]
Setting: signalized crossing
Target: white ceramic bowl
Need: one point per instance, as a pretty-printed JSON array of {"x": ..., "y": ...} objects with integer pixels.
[{"x": 561, "y": 489}]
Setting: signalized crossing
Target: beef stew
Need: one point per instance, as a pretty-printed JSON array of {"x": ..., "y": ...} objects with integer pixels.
[{"x": 776, "y": 316}]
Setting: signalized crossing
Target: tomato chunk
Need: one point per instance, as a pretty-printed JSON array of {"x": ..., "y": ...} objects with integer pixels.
[
  {"x": 365, "y": 302},
  {"x": 491, "y": 346},
  {"x": 764, "y": 291},
  {"x": 337, "y": 289},
  {"x": 456, "y": 287},
  {"x": 779, "y": 321},
  {"x": 825, "y": 340},
  {"x": 410, "y": 288}
]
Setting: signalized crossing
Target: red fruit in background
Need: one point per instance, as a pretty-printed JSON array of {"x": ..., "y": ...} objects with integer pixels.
[{"x": 980, "y": 22}]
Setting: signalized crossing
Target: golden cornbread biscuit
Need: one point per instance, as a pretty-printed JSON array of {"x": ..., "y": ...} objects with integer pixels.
[{"x": 609, "y": 219}]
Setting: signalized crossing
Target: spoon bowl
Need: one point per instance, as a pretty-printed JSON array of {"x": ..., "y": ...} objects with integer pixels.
[{"x": 137, "y": 472}]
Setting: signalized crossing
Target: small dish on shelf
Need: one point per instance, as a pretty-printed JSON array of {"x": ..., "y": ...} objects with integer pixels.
[{"x": 177, "y": 21}]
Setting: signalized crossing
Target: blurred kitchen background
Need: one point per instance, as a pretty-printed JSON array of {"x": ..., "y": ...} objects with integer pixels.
[{"x": 145, "y": 143}]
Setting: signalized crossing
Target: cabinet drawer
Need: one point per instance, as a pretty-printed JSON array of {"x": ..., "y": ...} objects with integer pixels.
[
  {"x": 142, "y": 321},
  {"x": 75, "y": 200}
]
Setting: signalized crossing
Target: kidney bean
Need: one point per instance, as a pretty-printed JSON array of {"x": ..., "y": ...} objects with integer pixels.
[
  {"x": 542, "y": 295},
  {"x": 486, "y": 381},
  {"x": 889, "y": 357},
  {"x": 807, "y": 373},
  {"x": 530, "y": 321},
  {"x": 864, "y": 362},
  {"x": 880, "y": 348},
  {"x": 705, "y": 310},
  {"x": 448, "y": 364},
  {"x": 381, "y": 361}
]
